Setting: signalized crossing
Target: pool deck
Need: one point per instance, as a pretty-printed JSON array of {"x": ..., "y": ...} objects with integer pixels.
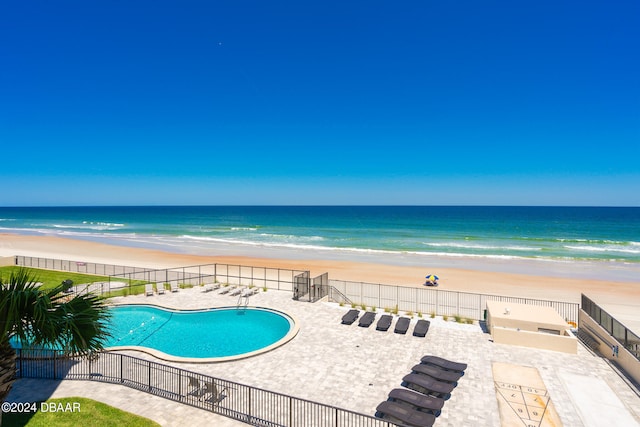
[{"x": 355, "y": 368}]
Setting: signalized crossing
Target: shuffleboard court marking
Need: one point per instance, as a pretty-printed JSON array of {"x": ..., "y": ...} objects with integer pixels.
[{"x": 523, "y": 398}]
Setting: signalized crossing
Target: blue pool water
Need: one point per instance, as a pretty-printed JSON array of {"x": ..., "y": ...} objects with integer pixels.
[{"x": 197, "y": 334}]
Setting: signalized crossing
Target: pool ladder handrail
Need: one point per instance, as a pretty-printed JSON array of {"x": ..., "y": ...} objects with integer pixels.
[{"x": 246, "y": 300}]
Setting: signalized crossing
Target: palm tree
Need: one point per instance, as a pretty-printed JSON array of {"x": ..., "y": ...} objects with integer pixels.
[{"x": 50, "y": 317}]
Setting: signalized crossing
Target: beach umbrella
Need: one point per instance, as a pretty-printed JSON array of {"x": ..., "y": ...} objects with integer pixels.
[{"x": 432, "y": 277}]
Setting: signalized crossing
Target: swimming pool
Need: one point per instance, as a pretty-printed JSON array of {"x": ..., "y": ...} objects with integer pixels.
[{"x": 211, "y": 335}]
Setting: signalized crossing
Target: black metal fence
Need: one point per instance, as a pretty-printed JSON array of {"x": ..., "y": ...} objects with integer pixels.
[
  {"x": 248, "y": 404},
  {"x": 133, "y": 279},
  {"x": 440, "y": 302},
  {"x": 617, "y": 330}
]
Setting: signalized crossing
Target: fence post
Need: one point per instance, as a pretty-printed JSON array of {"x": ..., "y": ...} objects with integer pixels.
[
  {"x": 249, "y": 408},
  {"x": 121, "y": 369},
  {"x": 149, "y": 365}
]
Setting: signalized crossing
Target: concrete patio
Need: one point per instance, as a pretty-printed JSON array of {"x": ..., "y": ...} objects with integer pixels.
[{"x": 355, "y": 368}]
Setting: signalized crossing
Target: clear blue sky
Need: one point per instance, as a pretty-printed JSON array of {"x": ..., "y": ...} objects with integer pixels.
[{"x": 323, "y": 102}]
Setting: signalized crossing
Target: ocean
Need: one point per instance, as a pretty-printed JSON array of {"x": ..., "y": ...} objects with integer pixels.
[{"x": 557, "y": 241}]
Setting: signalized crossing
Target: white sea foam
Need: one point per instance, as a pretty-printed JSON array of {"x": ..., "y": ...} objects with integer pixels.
[
  {"x": 98, "y": 226},
  {"x": 484, "y": 247},
  {"x": 604, "y": 249}
]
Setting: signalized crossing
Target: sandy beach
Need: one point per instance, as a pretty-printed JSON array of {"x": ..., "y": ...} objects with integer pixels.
[{"x": 554, "y": 288}]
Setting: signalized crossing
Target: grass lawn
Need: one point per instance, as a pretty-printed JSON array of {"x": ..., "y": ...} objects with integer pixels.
[
  {"x": 52, "y": 278},
  {"x": 90, "y": 413}
]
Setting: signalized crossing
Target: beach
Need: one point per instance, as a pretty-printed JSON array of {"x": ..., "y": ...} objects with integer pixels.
[{"x": 613, "y": 293}]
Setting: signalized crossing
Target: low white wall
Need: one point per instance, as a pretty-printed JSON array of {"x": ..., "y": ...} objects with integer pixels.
[
  {"x": 8, "y": 260},
  {"x": 625, "y": 359},
  {"x": 566, "y": 343}
]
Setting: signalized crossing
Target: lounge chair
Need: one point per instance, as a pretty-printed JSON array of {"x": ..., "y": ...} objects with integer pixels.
[
  {"x": 384, "y": 323},
  {"x": 148, "y": 289},
  {"x": 402, "y": 325},
  {"x": 350, "y": 317},
  {"x": 160, "y": 288},
  {"x": 444, "y": 363},
  {"x": 175, "y": 287},
  {"x": 247, "y": 292},
  {"x": 437, "y": 373},
  {"x": 427, "y": 385},
  {"x": 395, "y": 412},
  {"x": 422, "y": 401},
  {"x": 236, "y": 292},
  {"x": 421, "y": 329},
  {"x": 227, "y": 289},
  {"x": 211, "y": 389},
  {"x": 196, "y": 389},
  {"x": 367, "y": 319}
]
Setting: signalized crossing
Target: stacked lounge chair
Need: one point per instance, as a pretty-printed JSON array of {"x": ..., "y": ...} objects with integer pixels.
[
  {"x": 402, "y": 325},
  {"x": 350, "y": 317},
  {"x": 445, "y": 364},
  {"x": 367, "y": 319},
  {"x": 417, "y": 400},
  {"x": 427, "y": 385},
  {"x": 437, "y": 373},
  {"x": 396, "y": 412},
  {"x": 421, "y": 328},
  {"x": 384, "y": 323},
  {"x": 431, "y": 383}
]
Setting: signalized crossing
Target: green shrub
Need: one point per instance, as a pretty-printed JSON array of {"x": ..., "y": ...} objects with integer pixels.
[
  {"x": 433, "y": 314},
  {"x": 458, "y": 318},
  {"x": 445, "y": 317}
]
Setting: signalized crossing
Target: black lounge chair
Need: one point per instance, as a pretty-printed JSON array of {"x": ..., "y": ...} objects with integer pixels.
[
  {"x": 367, "y": 319},
  {"x": 444, "y": 363},
  {"x": 421, "y": 401},
  {"x": 393, "y": 411},
  {"x": 402, "y": 325},
  {"x": 384, "y": 323},
  {"x": 437, "y": 373},
  {"x": 350, "y": 317},
  {"x": 427, "y": 385},
  {"x": 421, "y": 329}
]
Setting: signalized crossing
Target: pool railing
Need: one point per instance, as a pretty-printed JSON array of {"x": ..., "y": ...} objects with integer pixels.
[{"x": 234, "y": 400}]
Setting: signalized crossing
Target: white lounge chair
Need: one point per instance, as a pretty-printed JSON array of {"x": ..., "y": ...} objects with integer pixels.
[
  {"x": 175, "y": 287},
  {"x": 227, "y": 289},
  {"x": 160, "y": 288},
  {"x": 236, "y": 292},
  {"x": 148, "y": 289}
]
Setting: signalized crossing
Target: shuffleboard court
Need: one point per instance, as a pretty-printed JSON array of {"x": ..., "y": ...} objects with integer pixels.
[{"x": 523, "y": 399}]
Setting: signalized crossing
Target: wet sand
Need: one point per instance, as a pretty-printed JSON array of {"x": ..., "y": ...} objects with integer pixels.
[{"x": 521, "y": 285}]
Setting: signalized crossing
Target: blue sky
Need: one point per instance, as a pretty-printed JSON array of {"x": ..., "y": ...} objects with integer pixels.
[{"x": 323, "y": 102}]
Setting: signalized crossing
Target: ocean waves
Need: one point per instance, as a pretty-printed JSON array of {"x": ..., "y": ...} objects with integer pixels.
[{"x": 380, "y": 233}]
